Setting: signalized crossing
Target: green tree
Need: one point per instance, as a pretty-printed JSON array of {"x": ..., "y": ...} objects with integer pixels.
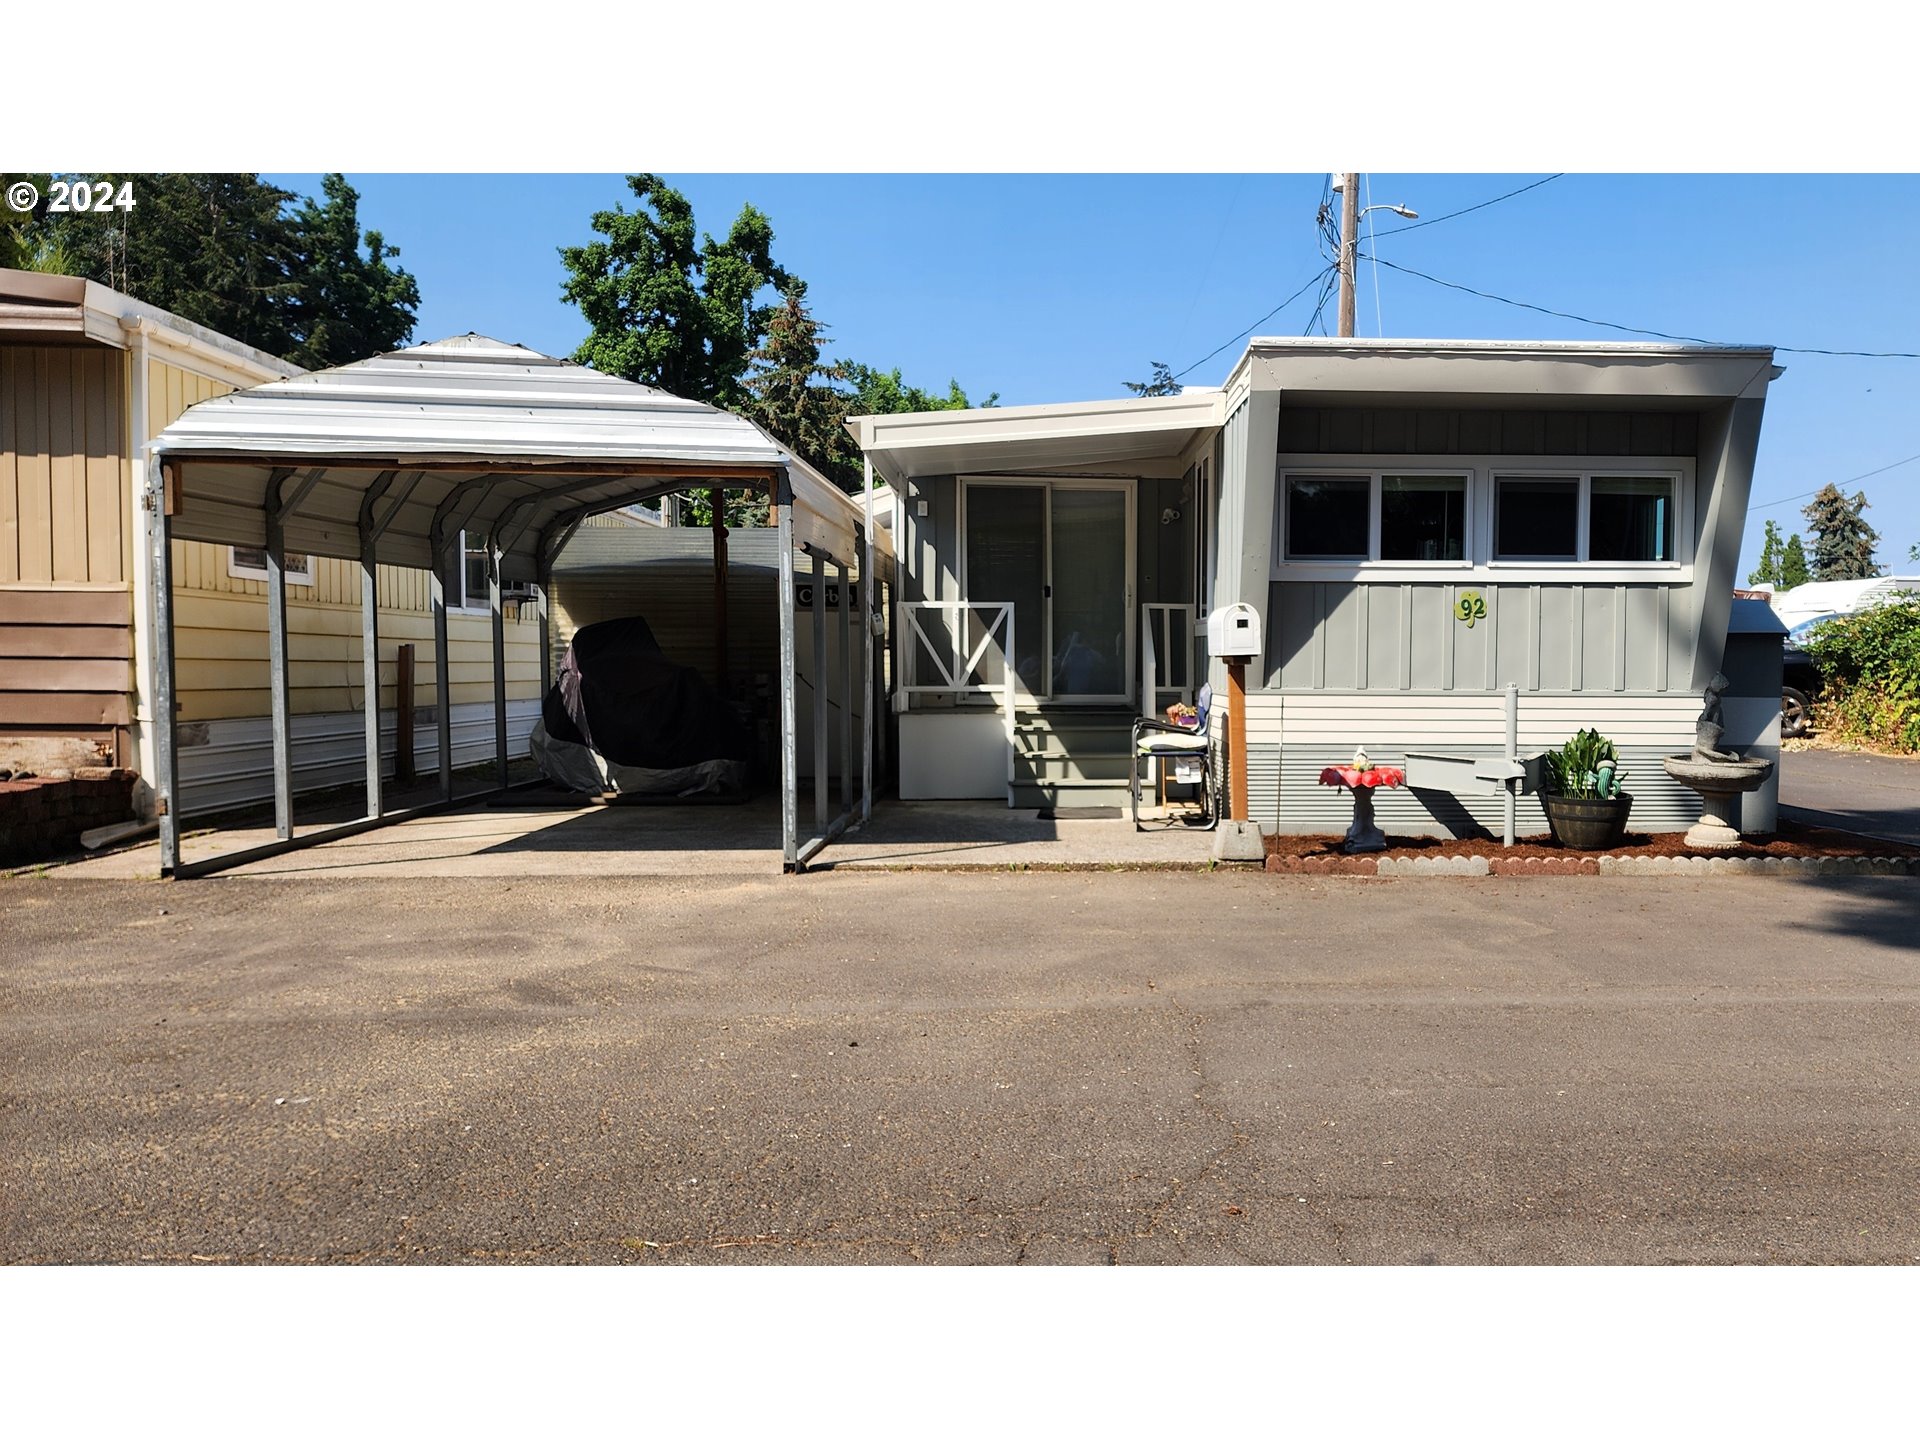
[
  {"x": 1793, "y": 563},
  {"x": 219, "y": 250},
  {"x": 1767, "y": 572},
  {"x": 883, "y": 392},
  {"x": 795, "y": 398},
  {"x": 1160, "y": 382},
  {"x": 667, "y": 309},
  {"x": 345, "y": 305},
  {"x": 230, "y": 252},
  {"x": 1843, "y": 542}
]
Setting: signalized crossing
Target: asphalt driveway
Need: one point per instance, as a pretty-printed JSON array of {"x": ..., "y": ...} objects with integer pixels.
[
  {"x": 1871, "y": 794},
  {"x": 895, "y": 1068}
]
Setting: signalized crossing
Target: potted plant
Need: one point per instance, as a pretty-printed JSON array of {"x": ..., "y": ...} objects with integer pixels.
[{"x": 1586, "y": 808}]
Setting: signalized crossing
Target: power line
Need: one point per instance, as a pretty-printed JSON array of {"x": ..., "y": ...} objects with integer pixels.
[
  {"x": 1769, "y": 504},
  {"x": 1636, "y": 329},
  {"x": 1256, "y": 324},
  {"x": 1456, "y": 214}
]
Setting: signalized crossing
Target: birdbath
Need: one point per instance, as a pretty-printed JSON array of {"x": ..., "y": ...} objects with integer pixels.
[
  {"x": 1719, "y": 777},
  {"x": 1363, "y": 836},
  {"x": 1719, "y": 784}
]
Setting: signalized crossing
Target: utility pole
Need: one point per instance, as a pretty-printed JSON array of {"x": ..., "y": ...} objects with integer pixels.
[{"x": 1349, "y": 186}]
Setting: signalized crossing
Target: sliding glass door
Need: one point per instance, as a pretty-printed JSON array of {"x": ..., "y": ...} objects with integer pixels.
[{"x": 1060, "y": 551}]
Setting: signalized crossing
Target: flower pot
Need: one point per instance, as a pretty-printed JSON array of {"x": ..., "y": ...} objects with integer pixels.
[{"x": 1587, "y": 824}]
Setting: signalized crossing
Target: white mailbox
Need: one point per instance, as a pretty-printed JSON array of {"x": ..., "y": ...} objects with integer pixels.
[{"x": 1233, "y": 632}]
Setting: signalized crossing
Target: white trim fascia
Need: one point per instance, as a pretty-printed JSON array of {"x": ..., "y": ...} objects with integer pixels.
[{"x": 1085, "y": 419}]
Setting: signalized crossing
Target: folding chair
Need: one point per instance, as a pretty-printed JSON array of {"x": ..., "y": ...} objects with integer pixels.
[{"x": 1163, "y": 744}]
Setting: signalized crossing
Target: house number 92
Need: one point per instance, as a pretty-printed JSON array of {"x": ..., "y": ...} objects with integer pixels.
[{"x": 1471, "y": 606}]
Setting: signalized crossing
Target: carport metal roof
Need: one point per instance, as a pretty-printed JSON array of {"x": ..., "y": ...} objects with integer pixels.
[
  {"x": 466, "y": 433},
  {"x": 387, "y": 460}
]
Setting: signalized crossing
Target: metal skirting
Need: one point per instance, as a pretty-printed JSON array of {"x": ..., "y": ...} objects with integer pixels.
[
  {"x": 1263, "y": 783},
  {"x": 1307, "y": 806},
  {"x": 228, "y": 763}
]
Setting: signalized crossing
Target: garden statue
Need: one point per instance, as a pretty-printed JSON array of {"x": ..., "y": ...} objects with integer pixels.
[{"x": 1708, "y": 728}]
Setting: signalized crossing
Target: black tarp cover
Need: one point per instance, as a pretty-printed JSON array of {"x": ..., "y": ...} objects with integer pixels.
[{"x": 620, "y": 695}]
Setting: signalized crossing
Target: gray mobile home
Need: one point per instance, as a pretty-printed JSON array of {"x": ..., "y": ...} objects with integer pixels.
[{"x": 1417, "y": 525}]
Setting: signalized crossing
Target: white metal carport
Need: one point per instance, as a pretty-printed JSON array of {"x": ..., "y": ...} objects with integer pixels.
[{"x": 389, "y": 459}]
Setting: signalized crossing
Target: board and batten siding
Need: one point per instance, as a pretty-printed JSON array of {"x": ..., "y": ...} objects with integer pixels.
[
  {"x": 66, "y": 623},
  {"x": 62, "y": 486},
  {"x": 1291, "y": 738},
  {"x": 1359, "y": 635}
]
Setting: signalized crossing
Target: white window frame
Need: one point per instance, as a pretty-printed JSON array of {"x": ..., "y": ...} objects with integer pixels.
[
  {"x": 1376, "y": 478},
  {"x": 1481, "y": 472},
  {"x": 239, "y": 570},
  {"x": 459, "y": 602},
  {"x": 1583, "y": 516}
]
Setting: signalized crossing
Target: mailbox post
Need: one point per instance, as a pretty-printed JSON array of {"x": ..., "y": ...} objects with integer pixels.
[{"x": 1233, "y": 634}]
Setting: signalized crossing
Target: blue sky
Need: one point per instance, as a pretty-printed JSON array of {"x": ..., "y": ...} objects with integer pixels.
[{"x": 1046, "y": 287}]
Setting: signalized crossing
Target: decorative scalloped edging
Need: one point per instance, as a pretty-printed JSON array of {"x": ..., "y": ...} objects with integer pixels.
[
  {"x": 1690, "y": 865},
  {"x": 1547, "y": 865},
  {"x": 1759, "y": 865},
  {"x": 1433, "y": 865}
]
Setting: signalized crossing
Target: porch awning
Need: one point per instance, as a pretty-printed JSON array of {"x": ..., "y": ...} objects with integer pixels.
[
  {"x": 467, "y": 433},
  {"x": 1037, "y": 438}
]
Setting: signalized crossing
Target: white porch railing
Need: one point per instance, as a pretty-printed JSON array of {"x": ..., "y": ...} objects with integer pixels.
[
  {"x": 963, "y": 644},
  {"x": 1166, "y": 656}
]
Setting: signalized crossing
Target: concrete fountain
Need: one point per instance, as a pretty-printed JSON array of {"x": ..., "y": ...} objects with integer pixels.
[{"x": 1719, "y": 777}]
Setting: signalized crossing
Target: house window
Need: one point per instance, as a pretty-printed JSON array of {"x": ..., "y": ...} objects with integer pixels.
[
  {"x": 1536, "y": 518},
  {"x": 249, "y": 562},
  {"x": 1605, "y": 519},
  {"x": 1423, "y": 517},
  {"x": 1404, "y": 518},
  {"x": 1328, "y": 517},
  {"x": 1629, "y": 518},
  {"x": 473, "y": 570}
]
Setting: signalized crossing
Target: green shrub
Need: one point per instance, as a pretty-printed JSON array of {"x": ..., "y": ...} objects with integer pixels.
[
  {"x": 1870, "y": 662},
  {"x": 1881, "y": 642}
]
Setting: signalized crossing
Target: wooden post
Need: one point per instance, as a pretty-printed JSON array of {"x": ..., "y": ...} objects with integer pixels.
[
  {"x": 1236, "y": 737},
  {"x": 403, "y": 716},
  {"x": 721, "y": 660}
]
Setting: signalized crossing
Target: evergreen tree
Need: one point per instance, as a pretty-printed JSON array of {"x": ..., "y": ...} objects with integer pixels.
[
  {"x": 1768, "y": 571},
  {"x": 1793, "y": 563},
  {"x": 1842, "y": 540},
  {"x": 345, "y": 306},
  {"x": 1159, "y": 382},
  {"x": 793, "y": 396},
  {"x": 229, "y": 252},
  {"x": 883, "y": 392}
]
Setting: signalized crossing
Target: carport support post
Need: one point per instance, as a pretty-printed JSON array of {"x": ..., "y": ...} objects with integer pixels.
[
  {"x": 370, "y": 659},
  {"x": 545, "y": 584},
  {"x": 717, "y": 498},
  {"x": 166, "y": 756},
  {"x": 499, "y": 657},
  {"x": 789, "y": 739},
  {"x": 277, "y": 659},
  {"x": 846, "y": 688},
  {"x": 819, "y": 691},
  {"x": 442, "y": 699},
  {"x": 869, "y": 606}
]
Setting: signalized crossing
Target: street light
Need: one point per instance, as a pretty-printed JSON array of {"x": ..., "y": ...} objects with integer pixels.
[{"x": 1347, "y": 183}]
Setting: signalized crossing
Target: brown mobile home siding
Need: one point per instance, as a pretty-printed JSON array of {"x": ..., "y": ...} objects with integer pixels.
[{"x": 66, "y": 646}]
